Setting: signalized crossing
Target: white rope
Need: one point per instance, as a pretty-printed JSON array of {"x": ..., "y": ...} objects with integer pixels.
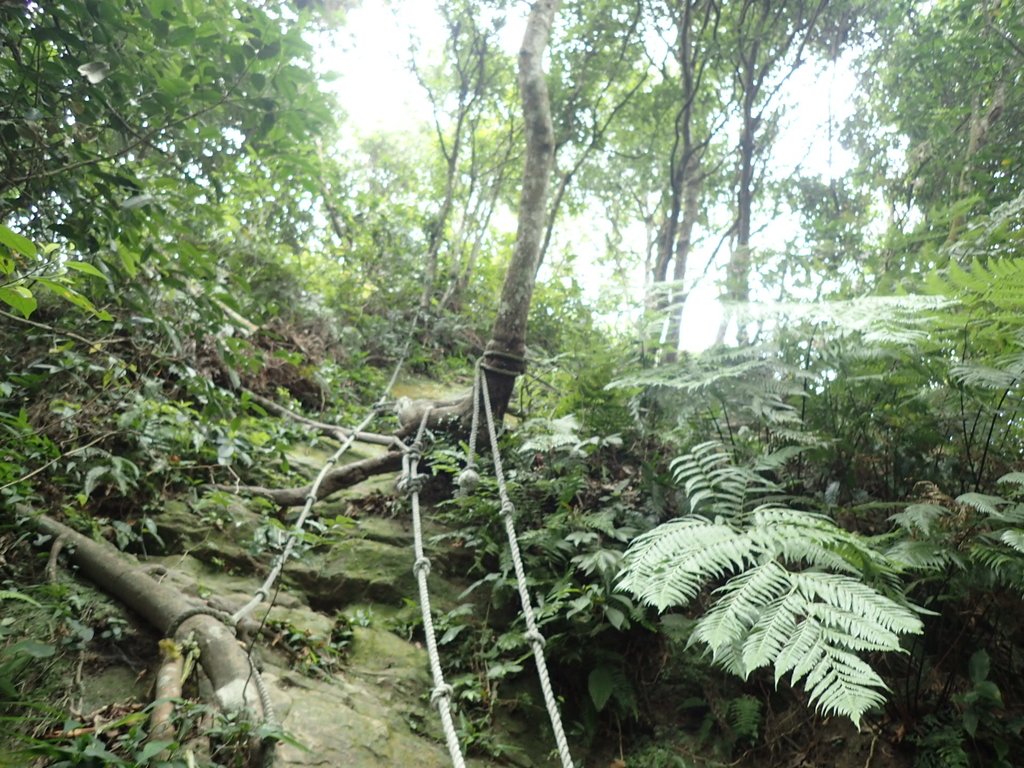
[
  {"x": 441, "y": 694},
  {"x": 533, "y": 635},
  {"x": 296, "y": 530},
  {"x": 263, "y": 593}
]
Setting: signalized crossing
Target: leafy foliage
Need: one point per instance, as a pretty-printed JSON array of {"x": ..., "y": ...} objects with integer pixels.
[{"x": 792, "y": 594}]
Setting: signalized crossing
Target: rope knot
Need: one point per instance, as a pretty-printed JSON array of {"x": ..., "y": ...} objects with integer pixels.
[
  {"x": 441, "y": 692},
  {"x": 410, "y": 484},
  {"x": 507, "y": 508},
  {"x": 197, "y": 610},
  {"x": 468, "y": 481},
  {"x": 535, "y": 638},
  {"x": 421, "y": 566}
]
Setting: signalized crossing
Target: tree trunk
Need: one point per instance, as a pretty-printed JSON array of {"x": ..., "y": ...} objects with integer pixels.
[
  {"x": 684, "y": 238},
  {"x": 694, "y": 21},
  {"x": 503, "y": 358},
  {"x": 504, "y": 355},
  {"x": 738, "y": 277}
]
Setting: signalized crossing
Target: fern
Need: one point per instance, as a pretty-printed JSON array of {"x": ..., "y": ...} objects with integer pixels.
[
  {"x": 744, "y": 718},
  {"x": 980, "y": 537},
  {"x": 669, "y": 565},
  {"x": 1013, "y": 538},
  {"x": 711, "y": 480},
  {"x": 919, "y": 518},
  {"x": 713, "y": 367},
  {"x": 792, "y": 593}
]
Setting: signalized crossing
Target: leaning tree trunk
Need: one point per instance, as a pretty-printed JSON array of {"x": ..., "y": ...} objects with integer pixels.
[
  {"x": 504, "y": 354},
  {"x": 503, "y": 357}
]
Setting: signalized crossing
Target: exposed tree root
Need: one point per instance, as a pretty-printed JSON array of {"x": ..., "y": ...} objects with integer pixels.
[
  {"x": 117, "y": 574},
  {"x": 168, "y": 688},
  {"x": 450, "y": 416},
  {"x": 339, "y": 433},
  {"x": 336, "y": 480}
]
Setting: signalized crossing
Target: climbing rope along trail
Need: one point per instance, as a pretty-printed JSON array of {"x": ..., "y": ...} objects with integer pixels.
[
  {"x": 410, "y": 482},
  {"x": 533, "y": 635},
  {"x": 264, "y": 591},
  {"x": 441, "y": 695}
]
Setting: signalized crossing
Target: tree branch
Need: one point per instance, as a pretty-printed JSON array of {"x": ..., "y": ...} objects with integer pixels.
[{"x": 336, "y": 480}]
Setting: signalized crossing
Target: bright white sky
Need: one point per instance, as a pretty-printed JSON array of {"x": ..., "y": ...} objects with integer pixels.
[{"x": 370, "y": 56}]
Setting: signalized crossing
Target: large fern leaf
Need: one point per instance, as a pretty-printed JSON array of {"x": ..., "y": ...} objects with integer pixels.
[
  {"x": 714, "y": 485},
  {"x": 792, "y": 593},
  {"x": 669, "y": 565}
]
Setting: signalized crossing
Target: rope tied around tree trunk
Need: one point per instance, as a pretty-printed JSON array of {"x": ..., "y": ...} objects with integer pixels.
[
  {"x": 517, "y": 367},
  {"x": 533, "y": 636},
  {"x": 440, "y": 696}
]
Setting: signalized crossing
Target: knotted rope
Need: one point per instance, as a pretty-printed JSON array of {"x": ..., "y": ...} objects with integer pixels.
[
  {"x": 440, "y": 696},
  {"x": 533, "y": 634}
]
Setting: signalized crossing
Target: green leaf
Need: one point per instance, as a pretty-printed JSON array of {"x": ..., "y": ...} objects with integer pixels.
[
  {"x": 615, "y": 617},
  {"x": 73, "y": 297},
  {"x": 33, "y": 648},
  {"x": 970, "y": 722},
  {"x": 137, "y": 201},
  {"x": 988, "y": 691},
  {"x": 173, "y": 86},
  {"x": 269, "y": 51},
  {"x": 978, "y": 667},
  {"x": 19, "y": 298},
  {"x": 8, "y": 594},
  {"x": 17, "y": 242},
  {"x": 86, "y": 268},
  {"x": 151, "y": 750},
  {"x": 601, "y": 685}
]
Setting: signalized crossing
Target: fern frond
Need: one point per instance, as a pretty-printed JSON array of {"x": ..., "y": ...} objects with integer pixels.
[
  {"x": 793, "y": 596},
  {"x": 847, "y": 604},
  {"x": 985, "y": 376},
  {"x": 699, "y": 375},
  {"x": 801, "y": 437},
  {"x": 924, "y": 555},
  {"x": 773, "y": 631},
  {"x": 843, "y": 684},
  {"x": 1000, "y": 566},
  {"x": 1013, "y": 537},
  {"x": 983, "y": 502},
  {"x": 667, "y": 566},
  {"x": 711, "y": 480},
  {"x": 744, "y": 717},
  {"x": 1017, "y": 478},
  {"x": 808, "y": 624},
  {"x": 801, "y": 653},
  {"x": 811, "y": 539},
  {"x": 919, "y": 518},
  {"x": 738, "y": 609}
]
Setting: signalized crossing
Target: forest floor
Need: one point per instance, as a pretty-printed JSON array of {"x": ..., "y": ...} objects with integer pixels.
[{"x": 339, "y": 649}]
